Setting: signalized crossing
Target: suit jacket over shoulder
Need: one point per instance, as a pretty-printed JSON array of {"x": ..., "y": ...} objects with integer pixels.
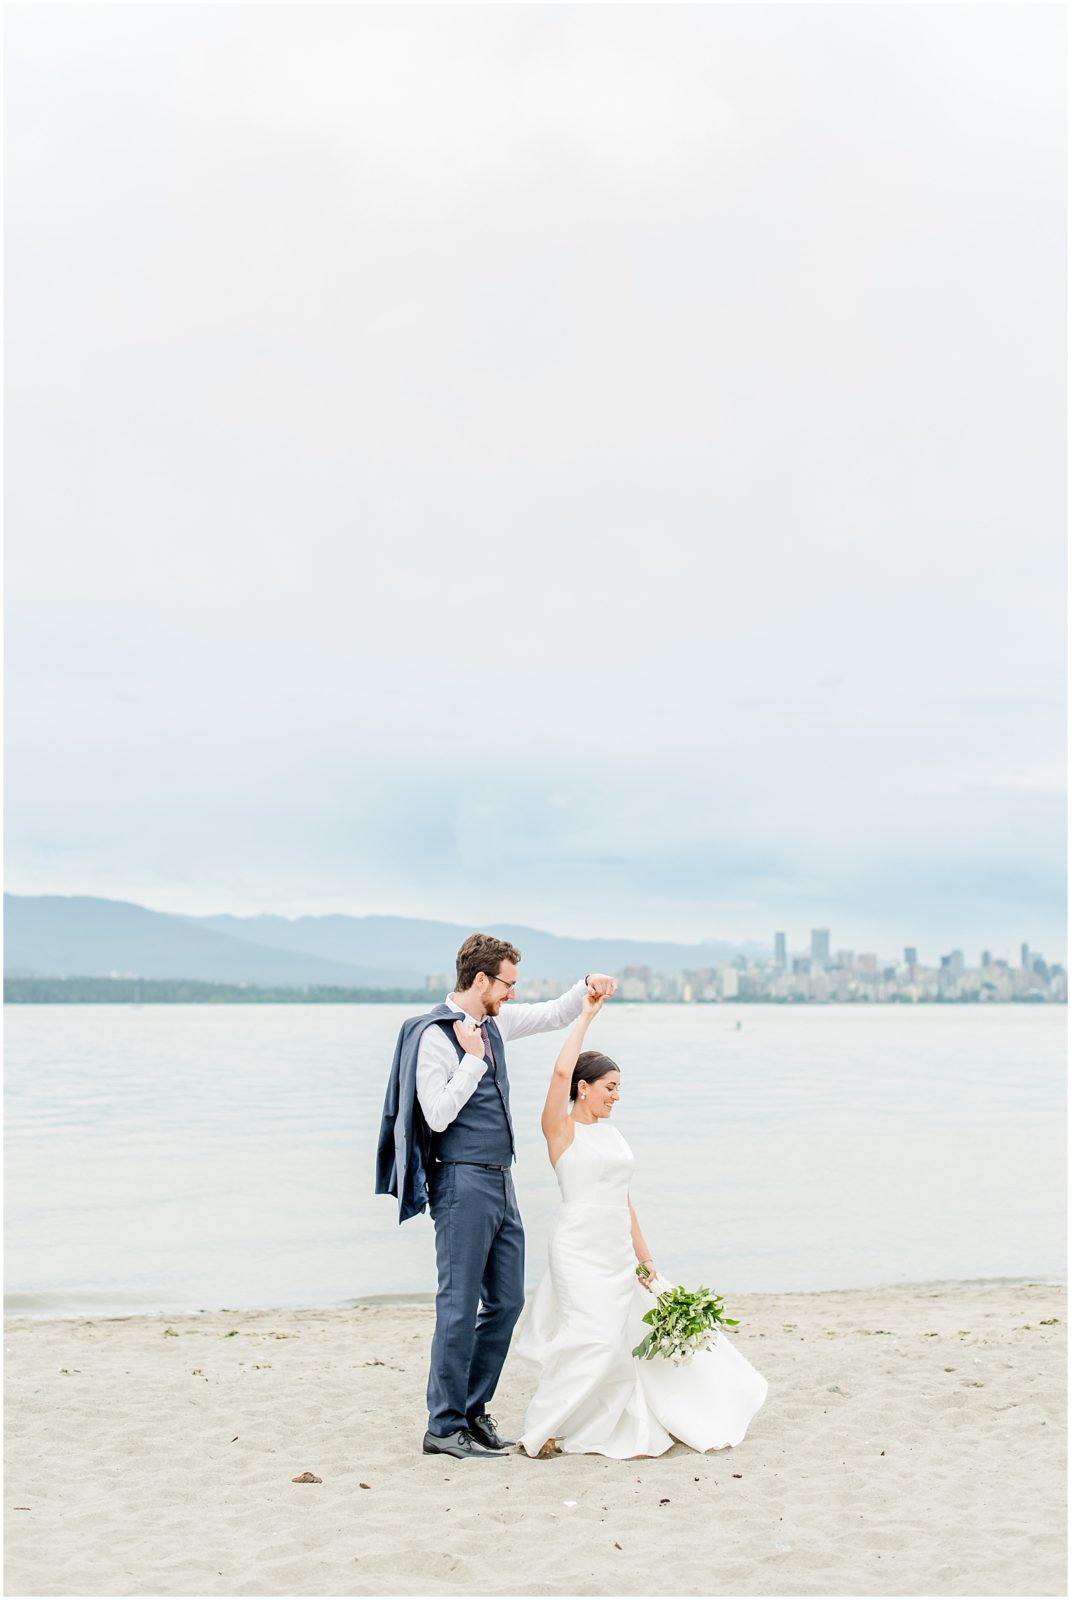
[{"x": 404, "y": 1150}]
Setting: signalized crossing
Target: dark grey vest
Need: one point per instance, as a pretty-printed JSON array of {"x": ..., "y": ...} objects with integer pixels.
[{"x": 482, "y": 1130}]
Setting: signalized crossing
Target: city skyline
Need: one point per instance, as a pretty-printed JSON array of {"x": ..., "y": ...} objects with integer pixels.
[
  {"x": 840, "y": 976},
  {"x": 819, "y": 950}
]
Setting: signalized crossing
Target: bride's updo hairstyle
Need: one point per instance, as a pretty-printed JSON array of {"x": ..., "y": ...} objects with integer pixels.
[{"x": 591, "y": 1065}]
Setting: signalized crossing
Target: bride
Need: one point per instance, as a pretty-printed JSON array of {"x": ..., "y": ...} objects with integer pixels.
[{"x": 593, "y": 1396}]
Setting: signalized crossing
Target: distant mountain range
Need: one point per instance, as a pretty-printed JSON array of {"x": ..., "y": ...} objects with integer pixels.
[
  {"x": 60, "y": 936},
  {"x": 80, "y": 936}
]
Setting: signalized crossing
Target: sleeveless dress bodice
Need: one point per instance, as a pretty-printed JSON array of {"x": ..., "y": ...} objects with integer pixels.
[
  {"x": 596, "y": 1169},
  {"x": 586, "y": 1318}
]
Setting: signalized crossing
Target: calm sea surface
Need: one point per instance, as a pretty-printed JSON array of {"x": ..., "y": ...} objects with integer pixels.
[{"x": 182, "y": 1157}]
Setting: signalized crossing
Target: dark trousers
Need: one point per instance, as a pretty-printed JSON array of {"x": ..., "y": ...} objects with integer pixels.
[{"x": 479, "y": 1250}]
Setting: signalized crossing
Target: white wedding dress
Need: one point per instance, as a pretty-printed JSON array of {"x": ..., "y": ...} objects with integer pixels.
[{"x": 586, "y": 1318}]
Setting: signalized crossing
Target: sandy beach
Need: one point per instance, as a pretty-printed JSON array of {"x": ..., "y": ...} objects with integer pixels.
[{"x": 912, "y": 1444}]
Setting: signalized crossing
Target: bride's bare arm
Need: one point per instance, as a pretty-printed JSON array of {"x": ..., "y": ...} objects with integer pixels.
[
  {"x": 639, "y": 1244},
  {"x": 556, "y": 1105}
]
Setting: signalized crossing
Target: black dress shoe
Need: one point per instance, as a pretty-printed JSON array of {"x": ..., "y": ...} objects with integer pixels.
[
  {"x": 482, "y": 1427},
  {"x": 461, "y": 1444}
]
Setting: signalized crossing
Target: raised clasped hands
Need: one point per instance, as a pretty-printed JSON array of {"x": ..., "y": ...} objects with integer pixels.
[{"x": 601, "y": 985}]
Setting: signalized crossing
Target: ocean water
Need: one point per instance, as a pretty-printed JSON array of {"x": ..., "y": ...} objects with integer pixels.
[{"x": 182, "y": 1157}]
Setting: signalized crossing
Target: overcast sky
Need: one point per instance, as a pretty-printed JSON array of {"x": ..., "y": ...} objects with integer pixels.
[{"x": 595, "y": 467}]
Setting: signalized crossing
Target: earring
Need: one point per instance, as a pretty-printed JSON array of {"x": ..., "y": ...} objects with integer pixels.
[{"x": 583, "y": 1094}]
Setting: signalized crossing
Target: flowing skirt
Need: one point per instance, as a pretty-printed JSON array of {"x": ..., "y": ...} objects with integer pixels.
[{"x": 579, "y": 1332}]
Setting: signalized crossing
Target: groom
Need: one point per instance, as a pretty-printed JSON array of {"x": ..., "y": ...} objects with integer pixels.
[{"x": 446, "y": 1139}]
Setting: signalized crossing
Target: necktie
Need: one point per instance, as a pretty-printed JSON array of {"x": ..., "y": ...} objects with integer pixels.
[{"x": 489, "y": 1057}]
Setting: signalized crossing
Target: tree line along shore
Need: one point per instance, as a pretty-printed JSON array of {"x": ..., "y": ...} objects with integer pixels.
[{"x": 188, "y": 991}]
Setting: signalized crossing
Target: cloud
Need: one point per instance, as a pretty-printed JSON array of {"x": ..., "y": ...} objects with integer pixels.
[{"x": 536, "y": 459}]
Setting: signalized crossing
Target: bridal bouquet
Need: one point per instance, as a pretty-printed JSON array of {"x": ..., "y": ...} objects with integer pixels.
[{"x": 682, "y": 1322}]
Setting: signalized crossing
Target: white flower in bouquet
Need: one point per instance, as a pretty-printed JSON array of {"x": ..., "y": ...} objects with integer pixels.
[{"x": 682, "y": 1322}]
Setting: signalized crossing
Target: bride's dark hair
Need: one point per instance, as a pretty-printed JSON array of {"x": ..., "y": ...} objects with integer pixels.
[{"x": 591, "y": 1065}]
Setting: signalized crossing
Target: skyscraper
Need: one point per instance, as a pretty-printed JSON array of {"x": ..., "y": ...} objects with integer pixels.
[
  {"x": 780, "y": 951},
  {"x": 911, "y": 956},
  {"x": 820, "y": 946},
  {"x": 1024, "y": 955}
]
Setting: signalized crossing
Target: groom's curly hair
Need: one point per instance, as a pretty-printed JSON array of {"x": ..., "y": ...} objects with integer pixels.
[
  {"x": 591, "y": 1065},
  {"x": 481, "y": 952}
]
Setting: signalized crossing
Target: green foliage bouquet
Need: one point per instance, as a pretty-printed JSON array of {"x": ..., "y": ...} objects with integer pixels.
[{"x": 682, "y": 1322}]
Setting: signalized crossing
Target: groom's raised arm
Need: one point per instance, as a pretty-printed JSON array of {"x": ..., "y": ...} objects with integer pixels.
[{"x": 517, "y": 1019}]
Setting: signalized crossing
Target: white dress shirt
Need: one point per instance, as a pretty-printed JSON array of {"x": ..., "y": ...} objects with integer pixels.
[{"x": 443, "y": 1083}]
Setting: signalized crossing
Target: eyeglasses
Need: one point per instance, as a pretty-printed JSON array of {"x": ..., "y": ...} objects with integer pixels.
[{"x": 495, "y": 979}]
